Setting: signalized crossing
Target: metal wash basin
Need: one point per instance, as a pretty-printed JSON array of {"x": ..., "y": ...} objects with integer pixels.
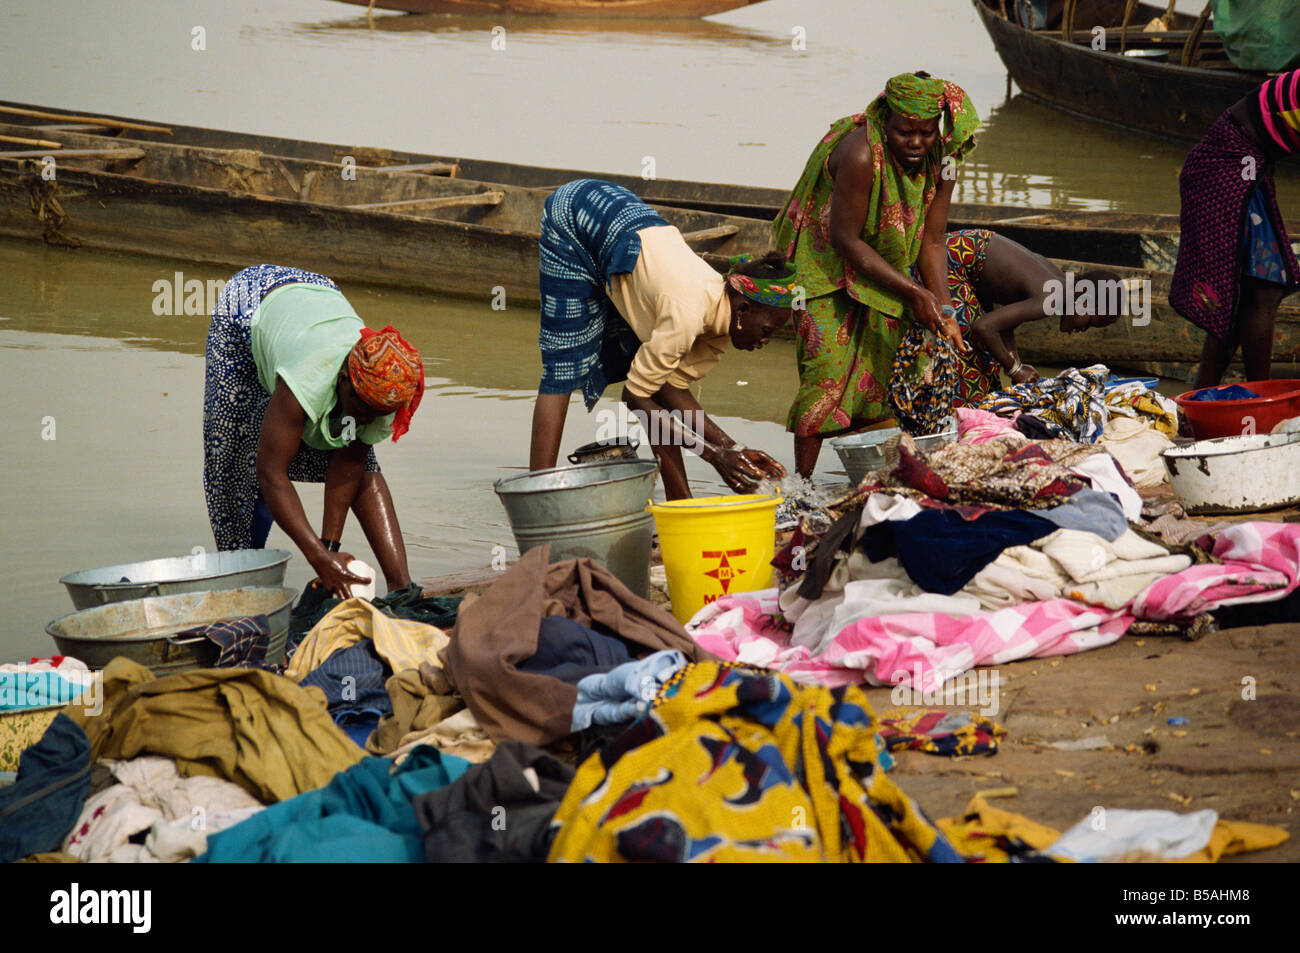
[
  {"x": 204, "y": 572},
  {"x": 144, "y": 630}
]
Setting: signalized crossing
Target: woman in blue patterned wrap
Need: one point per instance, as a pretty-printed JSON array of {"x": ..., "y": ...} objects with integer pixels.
[{"x": 625, "y": 299}]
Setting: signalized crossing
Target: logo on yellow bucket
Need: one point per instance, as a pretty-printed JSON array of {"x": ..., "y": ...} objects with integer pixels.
[{"x": 725, "y": 572}]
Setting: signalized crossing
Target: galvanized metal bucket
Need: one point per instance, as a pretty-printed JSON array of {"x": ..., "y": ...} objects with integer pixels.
[
  {"x": 593, "y": 510},
  {"x": 204, "y": 572},
  {"x": 861, "y": 453},
  {"x": 144, "y": 629}
]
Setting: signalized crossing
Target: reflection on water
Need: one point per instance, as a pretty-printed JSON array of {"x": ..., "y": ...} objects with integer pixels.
[
  {"x": 730, "y": 99},
  {"x": 1031, "y": 154},
  {"x": 113, "y": 296},
  {"x": 623, "y": 29}
]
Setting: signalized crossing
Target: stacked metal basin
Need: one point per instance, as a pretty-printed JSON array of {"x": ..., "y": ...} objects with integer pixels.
[{"x": 137, "y": 609}]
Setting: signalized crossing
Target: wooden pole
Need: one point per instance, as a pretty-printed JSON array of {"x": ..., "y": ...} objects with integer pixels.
[
  {"x": 87, "y": 120},
  {"x": 448, "y": 169},
  {"x": 1129, "y": 7},
  {"x": 447, "y": 201},
  {"x": 78, "y": 154},
  {"x": 705, "y": 234},
  {"x": 43, "y": 143},
  {"x": 1192, "y": 50}
]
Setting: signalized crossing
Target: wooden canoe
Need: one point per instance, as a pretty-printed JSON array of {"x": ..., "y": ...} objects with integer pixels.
[
  {"x": 406, "y": 229},
  {"x": 1160, "y": 95},
  {"x": 682, "y": 9},
  {"x": 354, "y": 222},
  {"x": 1110, "y": 238}
]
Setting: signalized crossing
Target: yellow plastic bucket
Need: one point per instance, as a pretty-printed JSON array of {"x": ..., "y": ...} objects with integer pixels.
[{"x": 714, "y": 546}]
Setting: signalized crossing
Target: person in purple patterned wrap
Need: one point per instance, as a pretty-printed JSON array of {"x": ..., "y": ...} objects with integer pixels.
[{"x": 1235, "y": 261}]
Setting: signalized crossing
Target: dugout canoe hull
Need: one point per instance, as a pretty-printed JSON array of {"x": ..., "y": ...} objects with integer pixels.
[{"x": 1108, "y": 238}]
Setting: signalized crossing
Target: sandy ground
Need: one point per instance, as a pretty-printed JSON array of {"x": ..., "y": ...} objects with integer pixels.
[{"x": 1239, "y": 752}]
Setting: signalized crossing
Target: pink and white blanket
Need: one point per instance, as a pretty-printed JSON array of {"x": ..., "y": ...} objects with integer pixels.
[{"x": 1261, "y": 563}]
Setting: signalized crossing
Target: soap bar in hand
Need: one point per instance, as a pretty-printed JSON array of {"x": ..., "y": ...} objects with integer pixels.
[{"x": 362, "y": 590}]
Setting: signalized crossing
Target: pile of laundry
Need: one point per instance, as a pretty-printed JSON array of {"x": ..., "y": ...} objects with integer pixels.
[
  {"x": 383, "y": 738},
  {"x": 557, "y": 716},
  {"x": 1127, "y": 418},
  {"x": 986, "y": 551}
]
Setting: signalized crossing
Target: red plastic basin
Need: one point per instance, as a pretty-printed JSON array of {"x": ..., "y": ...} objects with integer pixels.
[{"x": 1278, "y": 400}]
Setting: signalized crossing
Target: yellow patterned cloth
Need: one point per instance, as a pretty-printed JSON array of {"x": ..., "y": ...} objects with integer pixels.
[
  {"x": 20, "y": 730},
  {"x": 733, "y": 764},
  {"x": 987, "y": 834},
  {"x": 1151, "y": 408}
]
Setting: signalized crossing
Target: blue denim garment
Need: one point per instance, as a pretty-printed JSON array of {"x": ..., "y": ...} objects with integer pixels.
[
  {"x": 1092, "y": 511},
  {"x": 625, "y": 693},
  {"x": 570, "y": 651},
  {"x": 39, "y": 809}
]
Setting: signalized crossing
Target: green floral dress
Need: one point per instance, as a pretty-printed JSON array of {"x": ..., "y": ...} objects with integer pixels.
[{"x": 852, "y": 327}]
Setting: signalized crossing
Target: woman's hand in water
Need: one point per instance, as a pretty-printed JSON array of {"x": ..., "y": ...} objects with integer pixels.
[
  {"x": 332, "y": 572},
  {"x": 771, "y": 469},
  {"x": 743, "y": 470}
]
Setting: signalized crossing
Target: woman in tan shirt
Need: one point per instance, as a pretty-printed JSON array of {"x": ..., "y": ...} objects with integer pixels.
[{"x": 625, "y": 298}]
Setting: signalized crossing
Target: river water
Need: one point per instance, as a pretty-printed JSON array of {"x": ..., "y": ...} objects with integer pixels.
[{"x": 86, "y": 361}]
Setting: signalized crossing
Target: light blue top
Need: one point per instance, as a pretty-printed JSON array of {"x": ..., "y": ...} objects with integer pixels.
[{"x": 302, "y": 334}]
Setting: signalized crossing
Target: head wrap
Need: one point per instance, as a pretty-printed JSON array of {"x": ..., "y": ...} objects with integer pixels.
[
  {"x": 928, "y": 97},
  {"x": 918, "y": 96},
  {"x": 387, "y": 374},
  {"x": 778, "y": 292}
]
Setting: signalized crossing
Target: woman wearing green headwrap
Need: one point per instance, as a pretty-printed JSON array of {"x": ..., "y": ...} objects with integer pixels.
[{"x": 866, "y": 220}]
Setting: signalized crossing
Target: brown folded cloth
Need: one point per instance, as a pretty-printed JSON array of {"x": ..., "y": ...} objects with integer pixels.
[
  {"x": 499, "y": 629},
  {"x": 421, "y": 699}
]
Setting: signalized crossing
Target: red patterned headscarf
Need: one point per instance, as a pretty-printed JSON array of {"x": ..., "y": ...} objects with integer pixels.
[{"x": 387, "y": 374}]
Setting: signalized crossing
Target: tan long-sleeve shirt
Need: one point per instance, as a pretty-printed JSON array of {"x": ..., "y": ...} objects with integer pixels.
[{"x": 678, "y": 307}]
